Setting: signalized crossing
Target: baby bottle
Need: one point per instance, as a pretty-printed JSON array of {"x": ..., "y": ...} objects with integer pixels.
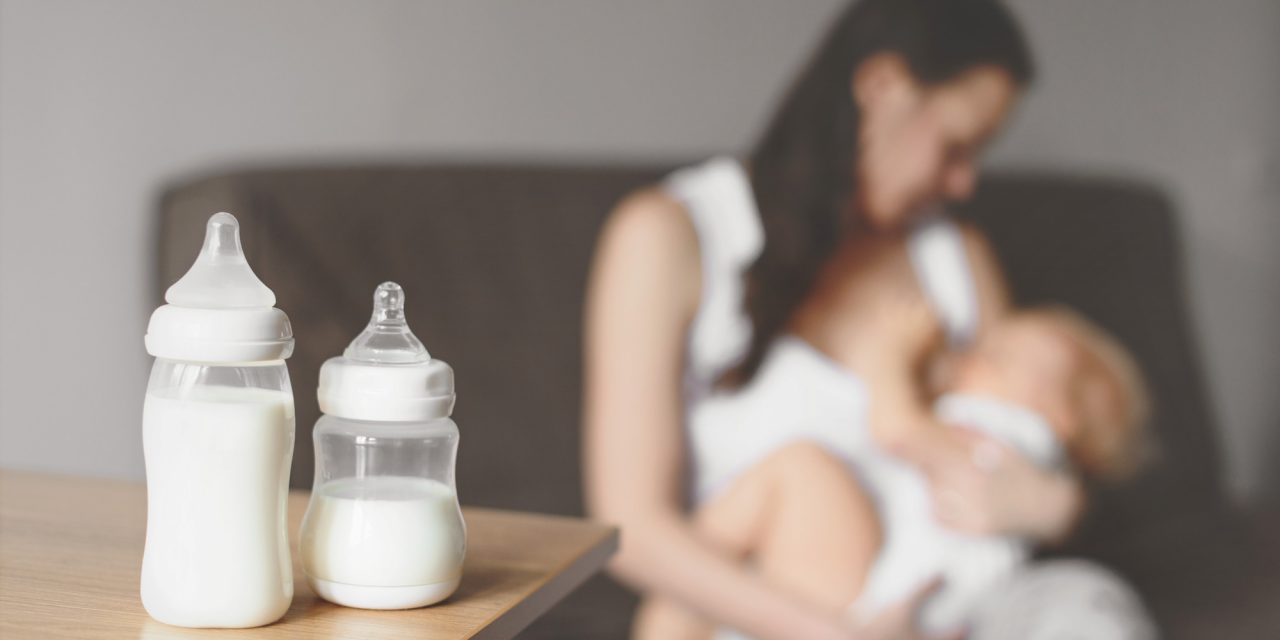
[
  {"x": 217, "y": 435},
  {"x": 383, "y": 529}
]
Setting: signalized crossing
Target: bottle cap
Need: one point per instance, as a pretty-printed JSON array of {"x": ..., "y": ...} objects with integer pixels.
[
  {"x": 220, "y": 312},
  {"x": 386, "y": 374}
]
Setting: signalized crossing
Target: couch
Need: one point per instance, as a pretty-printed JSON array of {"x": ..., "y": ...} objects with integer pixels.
[{"x": 493, "y": 258}]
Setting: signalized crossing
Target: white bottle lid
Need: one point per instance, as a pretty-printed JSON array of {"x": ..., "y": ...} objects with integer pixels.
[
  {"x": 220, "y": 312},
  {"x": 386, "y": 374}
]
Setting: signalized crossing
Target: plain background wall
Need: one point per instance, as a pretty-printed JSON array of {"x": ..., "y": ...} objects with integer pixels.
[
  {"x": 102, "y": 103},
  {"x": 1185, "y": 94}
]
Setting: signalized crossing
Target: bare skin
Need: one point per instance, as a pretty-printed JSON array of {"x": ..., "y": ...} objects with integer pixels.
[
  {"x": 643, "y": 293},
  {"x": 642, "y": 297},
  {"x": 767, "y": 516}
]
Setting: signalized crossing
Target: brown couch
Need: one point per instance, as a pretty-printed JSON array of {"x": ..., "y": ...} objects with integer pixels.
[{"x": 494, "y": 257}]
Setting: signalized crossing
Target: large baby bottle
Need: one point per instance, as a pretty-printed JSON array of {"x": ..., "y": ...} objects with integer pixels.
[
  {"x": 217, "y": 433},
  {"x": 383, "y": 530}
]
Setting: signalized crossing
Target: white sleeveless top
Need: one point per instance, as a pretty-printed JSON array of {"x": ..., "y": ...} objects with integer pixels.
[{"x": 718, "y": 197}]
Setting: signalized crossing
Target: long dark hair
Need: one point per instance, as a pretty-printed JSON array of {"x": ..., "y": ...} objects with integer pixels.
[{"x": 802, "y": 168}]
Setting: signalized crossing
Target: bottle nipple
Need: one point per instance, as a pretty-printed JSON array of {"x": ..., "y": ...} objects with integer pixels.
[
  {"x": 220, "y": 278},
  {"x": 387, "y": 339}
]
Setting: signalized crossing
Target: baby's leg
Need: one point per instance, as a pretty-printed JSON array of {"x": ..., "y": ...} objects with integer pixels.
[
  {"x": 801, "y": 518},
  {"x": 820, "y": 533}
]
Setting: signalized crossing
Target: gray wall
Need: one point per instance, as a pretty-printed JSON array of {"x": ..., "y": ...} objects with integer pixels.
[
  {"x": 1185, "y": 94},
  {"x": 100, "y": 103}
]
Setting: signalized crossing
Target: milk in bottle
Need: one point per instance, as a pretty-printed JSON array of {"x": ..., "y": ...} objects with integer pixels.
[
  {"x": 218, "y": 433},
  {"x": 383, "y": 530}
]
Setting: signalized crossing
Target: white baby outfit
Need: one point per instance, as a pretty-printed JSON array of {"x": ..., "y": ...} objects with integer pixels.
[{"x": 799, "y": 394}]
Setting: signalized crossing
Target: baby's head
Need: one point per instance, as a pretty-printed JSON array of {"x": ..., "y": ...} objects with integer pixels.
[{"x": 1078, "y": 377}]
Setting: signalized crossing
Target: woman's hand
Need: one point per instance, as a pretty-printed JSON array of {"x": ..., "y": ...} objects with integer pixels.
[{"x": 981, "y": 486}]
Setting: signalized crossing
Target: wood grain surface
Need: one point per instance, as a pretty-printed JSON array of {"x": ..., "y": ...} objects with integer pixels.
[{"x": 71, "y": 555}]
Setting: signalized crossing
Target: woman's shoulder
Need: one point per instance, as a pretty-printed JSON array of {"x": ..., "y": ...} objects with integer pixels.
[
  {"x": 703, "y": 208},
  {"x": 720, "y": 203},
  {"x": 990, "y": 285},
  {"x": 654, "y": 220},
  {"x": 974, "y": 239},
  {"x": 961, "y": 235},
  {"x": 960, "y": 272},
  {"x": 649, "y": 247}
]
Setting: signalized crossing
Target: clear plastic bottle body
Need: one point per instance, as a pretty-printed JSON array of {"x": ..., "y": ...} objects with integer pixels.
[
  {"x": 383, "y": 529},
  {"x": 218, "y": 443}
]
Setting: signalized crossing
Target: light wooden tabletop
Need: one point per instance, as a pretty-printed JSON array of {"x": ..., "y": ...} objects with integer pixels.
[{"x": 71, "y": 552}]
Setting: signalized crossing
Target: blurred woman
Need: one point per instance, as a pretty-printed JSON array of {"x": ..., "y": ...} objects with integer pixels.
[{"x": 695, "y": 278}]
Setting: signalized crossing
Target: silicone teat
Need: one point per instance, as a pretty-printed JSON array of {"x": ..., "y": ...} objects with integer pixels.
[
  {"x": 221, "y": 277},
  {"x": 387, "y": 339}
]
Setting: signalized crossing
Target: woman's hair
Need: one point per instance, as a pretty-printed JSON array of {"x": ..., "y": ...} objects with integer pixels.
[{"x": 802, "y": 168}]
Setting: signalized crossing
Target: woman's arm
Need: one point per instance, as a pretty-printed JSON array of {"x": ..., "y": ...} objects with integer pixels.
[
  {"x": 979, "y": 485},
  {"x": 643, "y": 293},
  {"x": 982, "y": 486}
]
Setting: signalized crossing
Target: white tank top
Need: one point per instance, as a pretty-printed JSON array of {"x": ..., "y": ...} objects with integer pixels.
[
  {"x": 718, "y": 197},
  {"x": 721, "y": 206}
]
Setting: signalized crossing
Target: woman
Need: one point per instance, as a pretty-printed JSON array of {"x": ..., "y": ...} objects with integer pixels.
[{"x": 696, "y": 278}]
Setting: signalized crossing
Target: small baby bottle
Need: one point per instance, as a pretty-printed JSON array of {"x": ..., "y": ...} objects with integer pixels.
[
  {"x": 217, "y": 434},
  {"x": 383, "y": 530}
]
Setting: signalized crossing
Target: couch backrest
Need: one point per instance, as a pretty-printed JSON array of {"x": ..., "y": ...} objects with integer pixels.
[
  {"x": 493, "y": 260},
  {"x": 1110, "y": 249}
]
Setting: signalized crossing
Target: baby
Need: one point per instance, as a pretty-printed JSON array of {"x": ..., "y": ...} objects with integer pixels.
[{"x": 1045, "y": 382}]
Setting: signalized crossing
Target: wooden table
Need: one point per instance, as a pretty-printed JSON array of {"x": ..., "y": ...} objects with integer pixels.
[{"x": 71, "y": 553}]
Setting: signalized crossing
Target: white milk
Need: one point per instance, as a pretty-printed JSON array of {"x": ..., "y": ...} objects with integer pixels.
[
  {"x": 217, "y": 552},
  {"x": 384, "y": 531}
]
